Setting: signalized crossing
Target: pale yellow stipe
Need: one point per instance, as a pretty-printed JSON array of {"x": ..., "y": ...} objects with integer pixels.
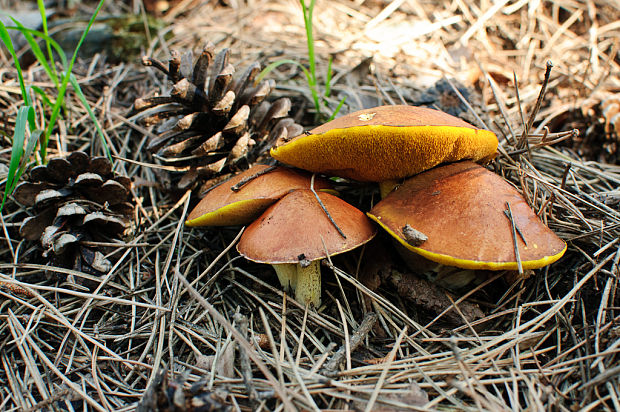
[
  {"x": 287, "y": 275},
  {"x": 308, "y": 289},
  {"x": 386, "y": 187}
]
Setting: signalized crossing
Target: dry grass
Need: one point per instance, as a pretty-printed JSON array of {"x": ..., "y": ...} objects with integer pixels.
[{"x": 183, "y": 298}]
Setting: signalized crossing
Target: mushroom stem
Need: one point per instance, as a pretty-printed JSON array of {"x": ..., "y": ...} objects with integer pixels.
[
  {"x": 308, "y": 288},
  {"x": 386, "y": 187},
  {"x": 287, "y": 274}
]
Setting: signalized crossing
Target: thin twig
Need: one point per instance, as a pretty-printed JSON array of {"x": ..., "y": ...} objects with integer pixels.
[
  {"x": 523, "y": 142},
  {"x": 316, "y": 195},
  {"x": 241, "y": 322},
  {"x": 358, "y": 336},
  {"x": 518, "y": 229},
  {"x": 42, "y": 405},
  {"x": 248, "y": 179},
  {"x": 513, "y": 227},
  {"x": 240, "y": 340}
]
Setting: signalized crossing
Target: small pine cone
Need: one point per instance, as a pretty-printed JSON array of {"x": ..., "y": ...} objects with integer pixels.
[
  {"x": 167, "y": 395},
  {"x": 442, "y": 96},
  {"x": 601, "y": 130},
  {"x": 72, "y": 200},
  {"x": 610, "y": 114},
  {"x": 212, "y": 124}
]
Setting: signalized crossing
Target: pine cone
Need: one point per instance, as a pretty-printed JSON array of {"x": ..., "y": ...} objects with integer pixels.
[
  {"x": 442, "y": 96},
  {"x": 210, "y": 124},
  {"x": 610, "y": 117},
  {"x": 166, "y": 395},
  {"x": 598, "y": 120},
  {"x": 75, "y": 199}
]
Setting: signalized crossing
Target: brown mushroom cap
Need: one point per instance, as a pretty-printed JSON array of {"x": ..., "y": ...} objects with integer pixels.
[
  {"x": 460, "y": 208},
  {"x": 296, "y": 229},
  {"x": 225, "y": 207},
  {"x": 386, "y": 142}
]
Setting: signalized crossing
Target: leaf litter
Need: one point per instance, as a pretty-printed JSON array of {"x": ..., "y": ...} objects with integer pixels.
[{"x": 177, "y": 303}]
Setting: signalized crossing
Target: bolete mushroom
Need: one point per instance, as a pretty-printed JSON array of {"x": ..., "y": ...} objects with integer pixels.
[
  {"x": 386, "y": 143},
  {"x": 460, "y": 208},
  {"x": 295, "y": 233},
  {"x": 237, "y": 203}
]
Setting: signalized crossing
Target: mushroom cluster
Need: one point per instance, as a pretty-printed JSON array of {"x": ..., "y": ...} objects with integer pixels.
[
  {"x": 451, "y": 210},
  {"x": 301, "y": 223},
  {"x": 456, "y": 212}
]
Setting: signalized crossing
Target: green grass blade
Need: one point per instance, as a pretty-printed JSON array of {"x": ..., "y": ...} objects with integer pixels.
[
  {"x": 84, "y": 34},
  {"x": 24, "y": 114},
  {"x": 50, "y": 56},
  {"x": 328, "y": 79},
  {"x": 270, "y": 67},
  {"x": 52, "y": 120},
  {"x": 17, "y": 149},
  {"x": 316, "y": 99},
  {"x": 333, "y": 116},
  {"x": 78, "y": 91},
  {"x": 30, "y": 145},
  {"x": 6, "y": 39},
  {"x": 43, "y": 96},
  {"x": 47, "y": 38},
  {"x": 309, "y": 38},
  {"x": 36, "y": 50},
  {"x": 63, "y": 86}
]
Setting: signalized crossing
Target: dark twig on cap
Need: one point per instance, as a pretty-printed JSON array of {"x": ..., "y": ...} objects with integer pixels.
[
  {"x": 509, "y": 216},
  {"x": 514, "y": 238},
  {"x": 248, "y": 179},
  {"x": 323, "y": 207}
]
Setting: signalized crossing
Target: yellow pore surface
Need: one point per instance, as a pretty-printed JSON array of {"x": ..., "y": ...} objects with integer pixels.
[
  {"x": 233, "y": 214},
  {"x": 377, "y": 152}
]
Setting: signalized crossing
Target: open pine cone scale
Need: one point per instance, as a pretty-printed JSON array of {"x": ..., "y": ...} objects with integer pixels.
[
  {"x": 71, "y": 200},
  {"x": 213, "y": 123}
]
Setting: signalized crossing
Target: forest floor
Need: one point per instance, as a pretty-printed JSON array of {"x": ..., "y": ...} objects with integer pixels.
[{"x": 181, "y": 314}]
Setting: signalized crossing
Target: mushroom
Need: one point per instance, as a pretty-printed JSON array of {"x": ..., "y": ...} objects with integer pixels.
[
  {"x": 460, "y": 210},
  {"x": 295, "y": 233},
  {"x": 385, "y": 143},
  {"x": 228, "y": 205}
]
